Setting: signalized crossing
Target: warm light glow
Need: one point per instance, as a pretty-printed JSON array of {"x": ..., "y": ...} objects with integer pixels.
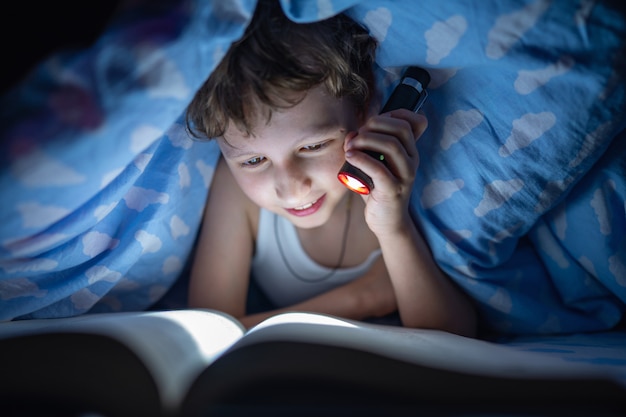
[
  {"x": 213, "y": 333},
  {"x": 353, "y": 183},
  {"x": 304, "y": 318}
]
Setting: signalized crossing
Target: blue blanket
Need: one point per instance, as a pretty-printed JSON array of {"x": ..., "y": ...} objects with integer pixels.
[{"x": 520, "y": 193}]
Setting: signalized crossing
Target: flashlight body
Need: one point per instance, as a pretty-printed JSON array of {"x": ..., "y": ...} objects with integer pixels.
[{"x": 409, "y": 94}]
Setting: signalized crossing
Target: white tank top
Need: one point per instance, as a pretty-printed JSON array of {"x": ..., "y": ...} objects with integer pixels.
[{"x": 280, "y": 285}]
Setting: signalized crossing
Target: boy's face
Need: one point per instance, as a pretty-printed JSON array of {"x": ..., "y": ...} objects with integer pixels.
[{"x": 290, "y": 165}]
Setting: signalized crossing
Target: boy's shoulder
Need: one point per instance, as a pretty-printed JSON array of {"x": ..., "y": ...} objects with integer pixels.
[{"x": 227, "y": 198}]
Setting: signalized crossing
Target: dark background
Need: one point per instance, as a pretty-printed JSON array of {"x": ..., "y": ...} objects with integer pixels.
[{"x": 32, "y": 31}]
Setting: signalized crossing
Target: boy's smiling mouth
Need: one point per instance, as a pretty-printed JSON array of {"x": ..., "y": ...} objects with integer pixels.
[{"x": 308, "y": 208}]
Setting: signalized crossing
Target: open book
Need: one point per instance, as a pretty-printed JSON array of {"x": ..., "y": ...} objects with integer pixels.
[{"x": 204, "y": 363}]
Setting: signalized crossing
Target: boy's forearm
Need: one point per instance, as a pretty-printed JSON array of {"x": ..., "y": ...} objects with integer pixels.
[
  {"x": 369, "y": 296},
  {"x": 426, "y": 297}
]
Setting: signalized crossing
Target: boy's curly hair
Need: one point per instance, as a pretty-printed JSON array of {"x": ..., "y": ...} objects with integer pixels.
[{"x": 273, "y": 65}]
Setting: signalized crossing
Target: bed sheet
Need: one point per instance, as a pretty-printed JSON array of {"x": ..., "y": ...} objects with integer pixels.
[
  {"x": 605, "y": 351},
  {"x": 520, "y": 192}
]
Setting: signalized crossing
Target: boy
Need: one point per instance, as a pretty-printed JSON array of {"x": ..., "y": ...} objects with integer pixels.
[{"x": 288, "y": 104}]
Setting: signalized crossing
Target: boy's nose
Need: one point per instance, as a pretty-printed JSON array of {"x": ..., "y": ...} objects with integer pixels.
[{"x": 292, "y": 184}]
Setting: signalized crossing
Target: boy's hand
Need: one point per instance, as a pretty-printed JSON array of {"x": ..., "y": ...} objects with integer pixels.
[{"x": 393, "y": 134}]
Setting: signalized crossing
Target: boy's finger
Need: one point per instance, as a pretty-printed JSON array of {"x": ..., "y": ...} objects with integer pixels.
[{"x": 418, "y": 121}]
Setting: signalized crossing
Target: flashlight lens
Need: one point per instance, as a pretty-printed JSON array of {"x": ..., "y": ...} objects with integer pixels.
[{"x": 353, "y": 183}]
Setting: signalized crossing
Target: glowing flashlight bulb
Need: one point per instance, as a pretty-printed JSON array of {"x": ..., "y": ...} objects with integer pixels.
[{"x": 354, "y": 184}]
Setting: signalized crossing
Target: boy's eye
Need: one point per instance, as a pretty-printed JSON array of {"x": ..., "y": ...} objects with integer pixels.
[
  {"x": 253, "y": 161},
  {"x": 314, "y": 147}
]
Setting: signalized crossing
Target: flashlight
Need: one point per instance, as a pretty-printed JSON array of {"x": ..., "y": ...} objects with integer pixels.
[{"x": 410, "y": 94}]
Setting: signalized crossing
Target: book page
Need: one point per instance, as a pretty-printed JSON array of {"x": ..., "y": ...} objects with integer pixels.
[
  {"x": 175, "y": 345},
  {"x": 431, "y": 348}
]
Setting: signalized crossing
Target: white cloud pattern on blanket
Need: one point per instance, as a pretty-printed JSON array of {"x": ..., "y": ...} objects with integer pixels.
[
  {"x": 510, "y": 28},
  {"x": 41, "y": 170},
  {"x": 94, "y": 243},
  {"x": 142, "y": 137},
  {"x": 552, "y": 249},
  {"x": 84, "y": 299},
  {"x": 139, "y": 198},
  {"x": 497, "y": 194},
  {"x": 178, "y": 227},
  {"x": 443, "y": 37},
  {"x": 529, "y": 80},
  {"x": 618, "y": 269},
  {"x": 438, "y": 191},
  {"x": 603, "y": 215},
  {"x": 108, "y": 177},
  {"x": 142, "y": 160},
  {"x": 172, "y": 264},
  {"x": 378, "y": 21},
  {"x": 458, "y": 125},
  {"x": 20, "y": 287},
  {"x": 23, "y": 266},
  {"x": 164, "y": 80},
  {"x": 184, "y": 176},
  {"x": 206, "y": 172},
  {"x": 101, "y": 273},
  {"x": 526, "y": 130},
  {"x": 101, "y": 211},
  {"x": 592, "y": 141},
  {"x": 149, "y": 242},
  {"x": 501, "y": 301}
]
